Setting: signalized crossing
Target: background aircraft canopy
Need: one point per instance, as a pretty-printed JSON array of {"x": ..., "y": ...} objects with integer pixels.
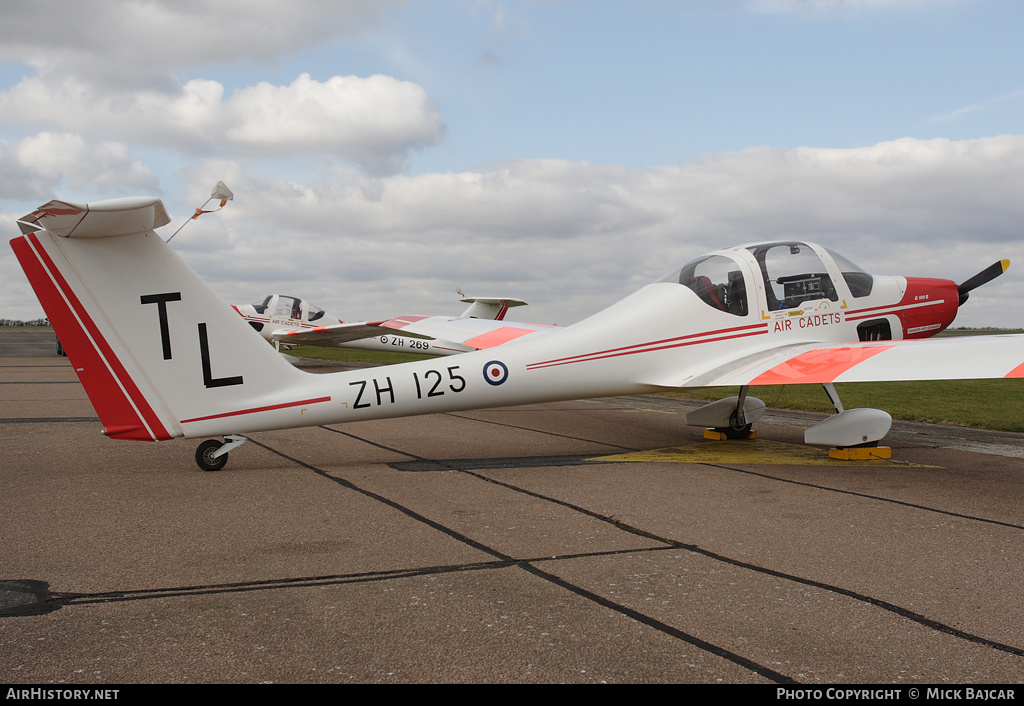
[{"x": 280, "y": 306}]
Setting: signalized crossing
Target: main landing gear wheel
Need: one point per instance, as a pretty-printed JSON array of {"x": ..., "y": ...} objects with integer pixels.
[
  {"x": 736, "y": 430},
  {"x": 729, "y": 418},
  {"x": 212, "y": 455},
  {"x": 205, "y": 456}
]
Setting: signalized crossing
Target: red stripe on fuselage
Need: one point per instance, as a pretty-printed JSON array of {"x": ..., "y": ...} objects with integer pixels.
[
  {"x": 268, "y": 408},
  {"x": 678, "y": 342},
  {"x": 121, "y": 406}
]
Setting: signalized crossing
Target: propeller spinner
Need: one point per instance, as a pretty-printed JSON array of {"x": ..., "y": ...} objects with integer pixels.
[{"x": 986, "y": 275}]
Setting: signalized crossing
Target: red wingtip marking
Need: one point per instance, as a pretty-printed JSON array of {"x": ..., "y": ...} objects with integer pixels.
[
  {"x": 497, "y": 337},
  {"x": 817, "y": 366},
  {"x": 1017, "y": 372},
  {"x": 402, "y": 321},
  {"x": 63, "y": 210}
]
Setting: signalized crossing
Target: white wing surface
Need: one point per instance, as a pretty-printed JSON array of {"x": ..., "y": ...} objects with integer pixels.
[
  {"x": 949, "y": 358},
  {"x": 466, "y": 334}
]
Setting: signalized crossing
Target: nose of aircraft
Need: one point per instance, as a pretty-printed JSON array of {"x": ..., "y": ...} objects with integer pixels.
[
  {"x": 933, "y": 303},
  {"x": 930, "y": 306}
]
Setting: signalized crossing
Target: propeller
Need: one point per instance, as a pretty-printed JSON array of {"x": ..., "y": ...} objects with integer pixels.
[{"x": 986, "y": 275}]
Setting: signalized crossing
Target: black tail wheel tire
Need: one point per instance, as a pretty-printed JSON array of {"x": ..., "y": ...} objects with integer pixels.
[{"x": 205, "y": 459}]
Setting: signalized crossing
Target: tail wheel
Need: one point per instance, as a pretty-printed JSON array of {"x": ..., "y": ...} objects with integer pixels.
[{"x": 205, "y": 458}]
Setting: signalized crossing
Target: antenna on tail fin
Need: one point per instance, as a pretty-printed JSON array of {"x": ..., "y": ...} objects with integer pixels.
[{"x": 220, "y": 191}]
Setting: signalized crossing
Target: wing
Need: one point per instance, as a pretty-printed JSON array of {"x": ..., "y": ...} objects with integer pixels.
[
  {"x": 474, "y": 334},
  {"x": 465, "y": 334},
  {"x": 338, "y": 334},
  {"x": 950, "y": 358}
]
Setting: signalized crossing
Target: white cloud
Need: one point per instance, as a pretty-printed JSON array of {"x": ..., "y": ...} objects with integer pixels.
[
  {"x": 68, "y": 161},
  {"x": 374, "y": 122},
  {"x": 572, "y": 238},
  {"x": 18, "y": 181},
  {"x": 40, "y": 166},
  {"x": 130, "y": 42},
  {"x": 108, "y": 112}
]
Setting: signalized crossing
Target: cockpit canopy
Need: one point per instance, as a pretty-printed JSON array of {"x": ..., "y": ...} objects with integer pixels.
[
  {"x": 280, "y": 306},
  {"x": 718, "y": 281},
  {"x": 791, "y": 272},
  {"x": 859, "y": 281}
]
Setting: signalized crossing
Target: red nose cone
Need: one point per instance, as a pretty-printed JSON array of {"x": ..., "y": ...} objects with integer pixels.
[{"x": 931, "y": 306}]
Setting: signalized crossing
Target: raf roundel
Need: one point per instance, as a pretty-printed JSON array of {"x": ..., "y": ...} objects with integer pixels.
[{"x": 495, "y": 372}]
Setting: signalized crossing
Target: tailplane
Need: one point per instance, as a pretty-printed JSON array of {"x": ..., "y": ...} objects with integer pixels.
[
  {"x": 493, "y": 308},
  {"x": 152, "y": 344}
]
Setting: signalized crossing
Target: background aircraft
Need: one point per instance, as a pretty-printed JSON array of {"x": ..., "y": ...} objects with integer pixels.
[
  {"x": 161, "y": 357},
  {"x": 289, "y": 320}
]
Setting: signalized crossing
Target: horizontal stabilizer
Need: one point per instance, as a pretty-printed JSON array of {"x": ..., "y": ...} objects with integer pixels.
[
  {"x": 493, "y": 308},
  {"x": 127, "y": 216}
]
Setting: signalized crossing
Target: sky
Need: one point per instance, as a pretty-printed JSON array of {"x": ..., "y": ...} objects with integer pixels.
[{"x": 386, "y": 154}]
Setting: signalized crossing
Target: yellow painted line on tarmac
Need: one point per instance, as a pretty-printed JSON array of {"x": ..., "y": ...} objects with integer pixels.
[{"x": 757, "y": 451}]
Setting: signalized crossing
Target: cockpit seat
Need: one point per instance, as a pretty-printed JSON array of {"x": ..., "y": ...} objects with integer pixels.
[{"x": 708, "y": 292}]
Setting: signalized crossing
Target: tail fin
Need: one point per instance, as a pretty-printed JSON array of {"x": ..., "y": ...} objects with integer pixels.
[
  {"x": 493, "y": 308},
  {"x": 137, "y": 323}
]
